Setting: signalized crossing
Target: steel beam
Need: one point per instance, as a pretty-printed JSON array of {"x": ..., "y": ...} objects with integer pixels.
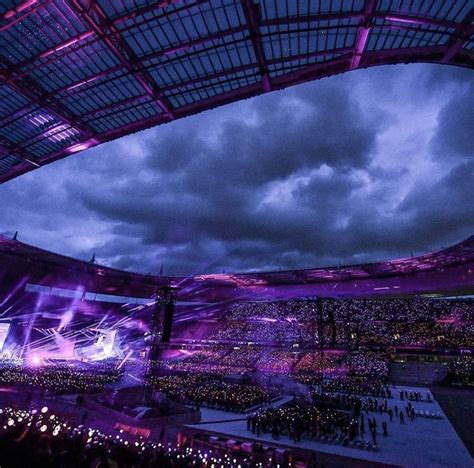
[
  {"x": 253, "y": 19},
  {"x": 24, "y": 9},
  {"x": 457, "y": 43},
  {"x": 432, "y": 54},
  {"x": 9, "y": 148},
  {"x": 143, "y": 10},
  {"x": 37, "y": 95},
  {"x": 154, "y": 55},
  {"x": 76, "y": 86},
  {"x": 203, "y": 78},
  {"x": 423, "y": 21},
  {"x": 96, "y": 19},
  {"x": 282, "y": 21},
  {"x": 120, "y": 19},
  {"x": 363, "y": 32},
  {"x": 465, "y": 28},
  {"x": 19, "y": 114},
  {"x": 453, "y": 49}
]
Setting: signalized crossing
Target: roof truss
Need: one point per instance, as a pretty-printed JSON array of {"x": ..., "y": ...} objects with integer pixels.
[{"x": 76, "y": 73}]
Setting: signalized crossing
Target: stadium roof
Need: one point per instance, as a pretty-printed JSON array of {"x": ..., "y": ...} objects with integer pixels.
[
  {"x": 450, "y": 270},
  {"x": 76, "y": 73},
  {"x": 459, "y": 254}
]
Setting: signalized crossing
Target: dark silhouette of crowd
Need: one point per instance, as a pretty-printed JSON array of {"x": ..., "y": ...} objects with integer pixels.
[
  {"x": 299, "y": 420},
  {"x": 40, "y": 439},
  {"x": 212, "y": 392}
]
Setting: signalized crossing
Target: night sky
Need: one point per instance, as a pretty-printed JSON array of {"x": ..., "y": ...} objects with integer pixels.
[{"x": 369, "y": 165}]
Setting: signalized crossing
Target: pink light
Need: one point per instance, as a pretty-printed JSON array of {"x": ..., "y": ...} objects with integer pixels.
[
  {"x": 125, "y": 359},
  {"x": 66, "y": 44},
  {"x": 36, "y": 361},
  {"x": 82, "y": 83},
  {"x": 9, "y": 14},
  {"x": 81, "y": 146},
  {"x": 399, "y": 19},
  {"x": 362, "y": 39}
]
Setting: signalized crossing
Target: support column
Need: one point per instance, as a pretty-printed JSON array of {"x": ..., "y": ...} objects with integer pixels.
[
  {"x": 160, "y": 330},
  {"x": 319, "y": 308}
]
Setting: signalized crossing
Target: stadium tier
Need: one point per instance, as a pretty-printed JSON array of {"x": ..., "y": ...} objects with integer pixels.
[
  {"x": 446, "y": 272},
  {"x": 243, "y": 380},
  {"x": 54, "y": 307}
]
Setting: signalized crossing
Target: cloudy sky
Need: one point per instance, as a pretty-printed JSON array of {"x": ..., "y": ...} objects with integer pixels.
[{"x": 370, "y": 165}]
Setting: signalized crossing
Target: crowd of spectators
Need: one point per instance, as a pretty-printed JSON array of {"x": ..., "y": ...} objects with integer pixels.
[
  {"x": 214, "y": 368},
  {"x": 266, "y": 331},
  {"x": 268, "y": 338},
  {"x": 243, "y": 356},
  {"x": 277, "y": 361},
  {"x": 367, "y": 364},
  {"x": 378, "y": 322},
  {"x": 364, "y": 365},
  {"x": 206, "y": 390},
  {"x": 269, "y": 322},
  {"x": 434, "y": 323},
  {"x": 315, "y": 362},
  {"x": 400, "y": 310},
  {"x": 36, "y": 438},
  {"x": 352, "y": 403},
  {"x": 58, "y": 379},
  {"x": 337, "y": 418},
  {"x": 301, "y": 311},
  {"x": 358, "y": 386},
  {"x": 238, "y": 360},
  {"x": 462, "y": 369}
]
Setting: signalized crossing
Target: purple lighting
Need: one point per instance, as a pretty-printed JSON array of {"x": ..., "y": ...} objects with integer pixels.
[
  {"x": 66, "y": 44},
  {"x": 101, "y": 36},
  {"x": 81, "y": 146},
  {"x": 18, "y": 9},
  {"x": 35, "y": 361},
  {"x": 362, "y": 38},
  {"x": 84, "y": 82},
  {"x": 405, "y": 20}
]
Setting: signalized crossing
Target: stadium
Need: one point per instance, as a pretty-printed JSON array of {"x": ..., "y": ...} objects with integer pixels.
[{"x": 356, "y": 364}]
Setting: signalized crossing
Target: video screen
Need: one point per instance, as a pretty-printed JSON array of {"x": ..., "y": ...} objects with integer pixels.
[{"x": 38, "y": 325}]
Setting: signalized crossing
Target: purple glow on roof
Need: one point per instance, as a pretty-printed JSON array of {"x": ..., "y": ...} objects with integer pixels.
[
  {"x": 18, "y": 9},
  {"x": 401, "y": 19},
  {"x": 82, "y": 147},
  {"x": 449, "y": 271},
  {"x": 84, "y": 82},
  {"x": 135, "y": 44},
  {"x": 66, "y": 44}
]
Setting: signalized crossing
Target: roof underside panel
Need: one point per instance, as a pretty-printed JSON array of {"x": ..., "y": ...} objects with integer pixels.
[{"x": 76, "y": 73}]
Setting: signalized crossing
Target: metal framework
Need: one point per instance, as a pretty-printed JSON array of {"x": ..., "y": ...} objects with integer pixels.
[
  {"x": 38, "y": 264},
  {"x": 76, "y": 73}
]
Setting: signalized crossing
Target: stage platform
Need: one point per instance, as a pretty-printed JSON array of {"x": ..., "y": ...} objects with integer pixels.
[{"x": 421, "y": 443}]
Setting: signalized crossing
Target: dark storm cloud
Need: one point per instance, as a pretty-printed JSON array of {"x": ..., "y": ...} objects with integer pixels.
[
  {"x": 220, "y": 184},
  {"x": 431, "y": 214},
  {"x": 445, "y": 208},
  {"x": 456, "y": 126},
  {"x": 273, "y": 137},
  {"x": 340, "y": 170}
]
